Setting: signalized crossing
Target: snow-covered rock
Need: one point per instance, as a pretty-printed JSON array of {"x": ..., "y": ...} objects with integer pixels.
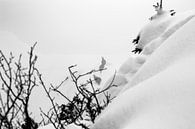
[{"x": 163, "y": 97}]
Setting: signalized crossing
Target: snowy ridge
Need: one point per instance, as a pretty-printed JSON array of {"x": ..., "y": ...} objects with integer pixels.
[
  {"x": 158, "y": 103},
  {"x": 163, "y": 97},
  {"x": 134, "y": 69},
  {"x": 164, "y": 93},
  {"x": 168, "y": 52}
]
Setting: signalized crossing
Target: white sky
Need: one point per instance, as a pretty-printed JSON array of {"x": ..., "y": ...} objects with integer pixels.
[{"x": 79, "y": 26}]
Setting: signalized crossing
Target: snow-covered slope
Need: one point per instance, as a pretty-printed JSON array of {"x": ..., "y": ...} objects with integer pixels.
[
  {"x": 173, "y": 48},
  {"x": 137, "y": 69},
  {"x": 163, "y": 97},
  {"x": 165, "y": 101}
]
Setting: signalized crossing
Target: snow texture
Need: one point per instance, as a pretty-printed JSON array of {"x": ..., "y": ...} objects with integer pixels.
[
  {"x": 161, "y": 102},
  {"x": 134, "y": 69},
  {"x": 156, "y": 88},
  {"x": 163, "y": 97},
  {"x": 167, "y": 53}
]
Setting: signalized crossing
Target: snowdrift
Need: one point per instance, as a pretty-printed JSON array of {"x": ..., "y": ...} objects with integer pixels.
[
  {"x": 163, "y": 97},
  {"x": 158, "y": 85},
  {"x": 165, "y": 101},
  {"x": 168, "y": 48},
  {"x": 139, "y": 68}
]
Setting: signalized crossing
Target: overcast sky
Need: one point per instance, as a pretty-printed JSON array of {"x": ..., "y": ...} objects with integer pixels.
[{"x": 80, "y": 26}]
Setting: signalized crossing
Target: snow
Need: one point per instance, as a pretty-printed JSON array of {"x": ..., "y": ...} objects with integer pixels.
[
  {"x": 163, "y": 101},
  {"x": 133, "y": 69},
  {"x": 161, "y": 24},
  {"x": 157, "y": 85},
  {"x": 163, "y": 92},
  {"x": 176, "y": 22},
  {"x": 171, "y": 50},
  {"x": 154, "y": 28}
]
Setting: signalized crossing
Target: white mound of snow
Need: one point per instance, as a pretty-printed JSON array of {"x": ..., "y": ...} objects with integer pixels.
[
  {"x": 163, "y": 97},
  {"x": 135, "y": 70},
  {"x": 165, "y": 101},
  {"x": 171, "y": 50}
]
